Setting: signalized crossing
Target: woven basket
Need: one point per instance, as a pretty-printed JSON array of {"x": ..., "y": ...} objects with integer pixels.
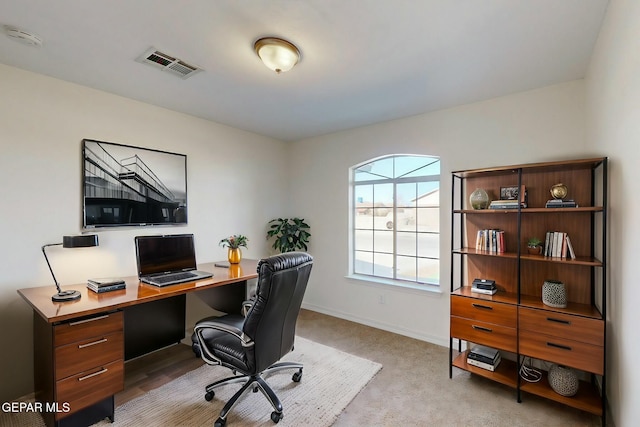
[{"x": 563, "y": 380}]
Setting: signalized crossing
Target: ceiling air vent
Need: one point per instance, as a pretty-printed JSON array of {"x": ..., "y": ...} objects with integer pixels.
[{"x": 168, "y": 63}]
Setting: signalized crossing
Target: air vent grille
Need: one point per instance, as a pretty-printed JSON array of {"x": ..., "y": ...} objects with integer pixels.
[{"x": 168, "y": 63}]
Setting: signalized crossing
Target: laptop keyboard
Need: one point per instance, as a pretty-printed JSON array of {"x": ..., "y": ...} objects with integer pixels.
[{"x": 172, "y": 277}]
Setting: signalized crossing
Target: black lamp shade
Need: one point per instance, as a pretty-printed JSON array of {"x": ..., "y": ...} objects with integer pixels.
[{"x": 80, "y": 241}]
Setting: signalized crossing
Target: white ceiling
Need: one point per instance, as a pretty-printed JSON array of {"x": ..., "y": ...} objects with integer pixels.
[{"x": 364, "y": 61}]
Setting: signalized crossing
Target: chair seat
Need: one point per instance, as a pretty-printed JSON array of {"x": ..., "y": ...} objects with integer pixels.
[{"x": 225, "y": 347}]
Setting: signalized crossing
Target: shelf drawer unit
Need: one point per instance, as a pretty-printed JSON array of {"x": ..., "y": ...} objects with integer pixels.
[
  {"x": 78, "y": 364},
  {"x": 564, "y": 339},
  {"x": 486, "y": 322},
  {"x": 515, "y": 319}
]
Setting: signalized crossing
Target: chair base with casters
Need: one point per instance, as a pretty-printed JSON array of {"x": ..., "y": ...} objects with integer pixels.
[{"x": 255, "y": 383}]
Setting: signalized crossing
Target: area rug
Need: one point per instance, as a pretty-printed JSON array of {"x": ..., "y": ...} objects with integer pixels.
[{"x": 331, "y": 379}]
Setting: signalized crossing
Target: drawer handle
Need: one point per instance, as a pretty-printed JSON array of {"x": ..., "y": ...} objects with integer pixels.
[
  {"x": 88, "y": 320},
  {"x": 92, "y": 343},
  {"x": 481, "y": 328},
  {"x": 100, "y": 372},
  {"x": 565, "y": 322},
  {"x": 562, "y": 347},
  {"x": 486, "y": 307}
]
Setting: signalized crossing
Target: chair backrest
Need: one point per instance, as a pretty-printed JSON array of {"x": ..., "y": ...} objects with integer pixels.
[{"x": 271, "y": 321}]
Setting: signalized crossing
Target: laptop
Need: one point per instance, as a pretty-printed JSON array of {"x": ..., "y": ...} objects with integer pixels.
[{"x": 167, "y": 260}]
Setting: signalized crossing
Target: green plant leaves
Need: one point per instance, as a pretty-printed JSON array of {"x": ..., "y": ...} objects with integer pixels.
[{"x": 290, "y": 234}]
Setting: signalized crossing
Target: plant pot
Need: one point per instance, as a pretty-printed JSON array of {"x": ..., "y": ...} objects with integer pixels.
[
  {"x": 535, "y": 250},
  {"x": 234, "y": 255}
]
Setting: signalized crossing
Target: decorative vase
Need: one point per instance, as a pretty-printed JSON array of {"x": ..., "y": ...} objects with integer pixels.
[
  {"x": 234, "y": 255},
  {"x": 563, "y": 380},
  {"x": 554, "y": 294},
  {"x": 479, "y": 199}
]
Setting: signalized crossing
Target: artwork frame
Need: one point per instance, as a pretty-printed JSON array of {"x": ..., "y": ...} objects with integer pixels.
[
  {"x": 129, "y": 186},
  {"x": 509, "y": 193}
]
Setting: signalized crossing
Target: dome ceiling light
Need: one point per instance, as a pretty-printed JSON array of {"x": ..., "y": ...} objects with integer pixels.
[{"x": 277, "y": 54}]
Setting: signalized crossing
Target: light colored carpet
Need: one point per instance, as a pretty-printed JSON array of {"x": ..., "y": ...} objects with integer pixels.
[{"x": 331, "y": 379}]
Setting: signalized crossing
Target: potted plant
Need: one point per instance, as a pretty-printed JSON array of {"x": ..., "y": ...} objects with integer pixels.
[
  {"x": 290, "y": 234},
  {"x": 234, "y": 254},
  {"x": 534, "y": 246}
]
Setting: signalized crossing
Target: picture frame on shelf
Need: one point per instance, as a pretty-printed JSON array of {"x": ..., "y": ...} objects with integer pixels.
[{"x": 513, "y": 193}]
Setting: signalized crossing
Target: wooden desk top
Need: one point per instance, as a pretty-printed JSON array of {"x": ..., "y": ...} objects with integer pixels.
[{"x": 136, "y": 292}]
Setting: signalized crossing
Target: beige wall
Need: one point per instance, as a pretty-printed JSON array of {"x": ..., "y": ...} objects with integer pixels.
[
  {"x": 539, "y": 125},
  {"x": 236, "y": 183},
  {"x": 613, "y": 124}
]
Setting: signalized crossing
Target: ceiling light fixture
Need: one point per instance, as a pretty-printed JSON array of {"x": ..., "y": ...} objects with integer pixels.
[{"x": 277, "y": 54}]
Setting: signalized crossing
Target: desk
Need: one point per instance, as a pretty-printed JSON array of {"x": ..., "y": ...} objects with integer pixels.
[{"x": 80, "y": 346}]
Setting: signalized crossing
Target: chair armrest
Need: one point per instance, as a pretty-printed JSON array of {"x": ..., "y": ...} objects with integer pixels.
[
  {"x": 246, "y": 306},
  {"x": 227, "y": 324}
]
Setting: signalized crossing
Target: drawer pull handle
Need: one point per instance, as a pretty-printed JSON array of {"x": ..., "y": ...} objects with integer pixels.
[
  {"x": 566, "y": 322},
  {"x": 92, "y": 343},
  {"x": 100, "y": 372},
  {"x": 562, "y": 347},
  {"x": 486, "y": 307},
  {"x": 481, "y": 328},
  {"x": 88, "y": 320}
]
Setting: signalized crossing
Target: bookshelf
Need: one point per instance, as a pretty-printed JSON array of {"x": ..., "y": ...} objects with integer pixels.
[{"x": 515, "y": 320}]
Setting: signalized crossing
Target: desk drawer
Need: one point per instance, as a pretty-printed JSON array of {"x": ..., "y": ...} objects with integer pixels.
[
  {"x": 579, "y": 355},
  {"x": 90, "y": 386},
  {"x": 85, "y": 329},
  {"x": 484, "y": 311},
  {"x": 561, "y": 325},
  {"x": 488, "y": 334},
  {"x": 84, "y": 355}
]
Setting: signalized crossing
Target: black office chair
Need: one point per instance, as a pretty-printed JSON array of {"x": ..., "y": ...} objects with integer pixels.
[{"x": 250, "y": 346}]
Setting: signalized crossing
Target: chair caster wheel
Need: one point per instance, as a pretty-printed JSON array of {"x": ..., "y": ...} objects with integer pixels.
[
  {"x": 297, "y": 376},
  {"x": 209, "y": 396},
  {"x": 220, "y": 422},
  {"x": 255, "y": 389},
  {"x": 276, "y": 417}
]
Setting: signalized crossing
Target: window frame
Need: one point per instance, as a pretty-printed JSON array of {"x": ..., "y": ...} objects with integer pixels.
[{"x": 353, "y": 212}]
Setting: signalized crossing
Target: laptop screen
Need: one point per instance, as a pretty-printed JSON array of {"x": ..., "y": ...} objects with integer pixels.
[{"x": 160, "y": 254}]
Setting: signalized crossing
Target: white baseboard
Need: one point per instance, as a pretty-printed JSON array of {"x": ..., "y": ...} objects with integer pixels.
[{"x": 419, "y": 335}]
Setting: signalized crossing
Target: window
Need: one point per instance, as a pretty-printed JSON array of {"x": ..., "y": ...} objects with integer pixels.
[{"x": 395, "y": 219}]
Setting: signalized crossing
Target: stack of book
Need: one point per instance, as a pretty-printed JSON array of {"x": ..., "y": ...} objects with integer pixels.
[
  {"x": 505, "y": 204},
  {"x": 558, "y": 244},
  {"x": 105, "y": 285},
  {"x": 561, "y": 203},
  {"x": 484, "y": 357},
  {"x": 490, "y": 240},
  {"x": 484, "y": 286}
]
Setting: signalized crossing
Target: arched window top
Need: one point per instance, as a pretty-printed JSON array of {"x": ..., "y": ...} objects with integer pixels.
[{"x": 397, "y": 166}]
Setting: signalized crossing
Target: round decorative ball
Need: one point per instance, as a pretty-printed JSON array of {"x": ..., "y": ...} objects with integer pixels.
[
  {"x": 559, "y": 191},
  {"x": 479, "y": 199},
  {"x": 563, "y": 380},
  {"x": 554, "y": 294}
]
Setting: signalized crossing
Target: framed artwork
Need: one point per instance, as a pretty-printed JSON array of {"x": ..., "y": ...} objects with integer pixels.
[{"x": 132, "y": 186}]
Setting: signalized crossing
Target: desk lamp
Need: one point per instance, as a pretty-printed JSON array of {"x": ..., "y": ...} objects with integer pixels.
[{"x": 81, "y": 241}]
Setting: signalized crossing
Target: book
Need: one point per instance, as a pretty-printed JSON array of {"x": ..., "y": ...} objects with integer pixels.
[
  {"x": 106, "y": 281},
  {"x": 483, "y": 365},
  {"x": 484, "y": 359},
  {"x": 560, "y": 203},
  {"x": 107, "y": 288},
  {"x": 484, "y": 283},
  {"x": 572, "y": 254},
  {"x": 484, "y": 291},
  {"x": 484, "y": 353}
]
